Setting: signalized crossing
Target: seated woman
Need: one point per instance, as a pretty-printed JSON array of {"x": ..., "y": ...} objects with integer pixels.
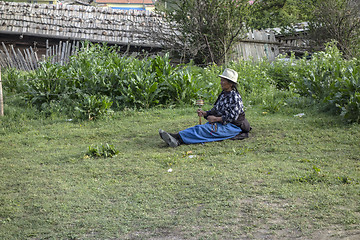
[{"x": 226, "y": 120}]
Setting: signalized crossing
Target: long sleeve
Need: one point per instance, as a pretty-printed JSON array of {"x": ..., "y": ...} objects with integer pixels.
[{"x": 229, "y": 106}]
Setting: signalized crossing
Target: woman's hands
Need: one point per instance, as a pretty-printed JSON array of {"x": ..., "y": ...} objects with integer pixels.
[
  {"x": 211, "y": 118},
  {"x": 201, "y": 113}
]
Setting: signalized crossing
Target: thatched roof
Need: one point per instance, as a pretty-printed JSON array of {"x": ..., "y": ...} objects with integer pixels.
[{"x": 73, "y": 22}]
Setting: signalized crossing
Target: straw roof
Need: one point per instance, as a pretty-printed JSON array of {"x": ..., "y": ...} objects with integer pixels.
[{"x": 73, "y": 22}]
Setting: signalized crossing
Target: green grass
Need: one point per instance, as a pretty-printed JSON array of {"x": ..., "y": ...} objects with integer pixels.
[{"x": 293, "y": 178}]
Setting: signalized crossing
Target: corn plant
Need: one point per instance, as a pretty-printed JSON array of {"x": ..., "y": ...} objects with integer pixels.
[
  {"x": 93, "y": 107},
  {"x": 13, "y": 80},
  {"x": 328, "y": 78},
  {"x": 99, "y": 77},
  {"x": 181, "y": 87}
]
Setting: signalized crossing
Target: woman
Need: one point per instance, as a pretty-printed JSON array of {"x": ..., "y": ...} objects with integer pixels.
[{"x": 226, "y": 120}]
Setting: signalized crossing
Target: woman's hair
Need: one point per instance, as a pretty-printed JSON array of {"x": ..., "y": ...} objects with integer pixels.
[{"x": 233, "y": 87}]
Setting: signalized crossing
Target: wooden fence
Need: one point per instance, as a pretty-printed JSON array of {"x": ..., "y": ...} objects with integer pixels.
[
  {"x": 256, "y": 46},
  {"x": 1, "y": 98},
  {"x": 28, "y": 58}
]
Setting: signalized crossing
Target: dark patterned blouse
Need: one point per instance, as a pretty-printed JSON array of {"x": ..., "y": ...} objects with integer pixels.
[{"x": 229, "y": 106}]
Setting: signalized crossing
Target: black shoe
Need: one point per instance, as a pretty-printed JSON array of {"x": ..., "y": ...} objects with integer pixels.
[
  {"x": 170, "y": 140},
  {"x": 240, "y": 136}
]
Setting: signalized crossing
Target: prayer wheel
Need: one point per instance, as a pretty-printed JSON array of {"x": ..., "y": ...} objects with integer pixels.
[{"x": 200, "y": 103}]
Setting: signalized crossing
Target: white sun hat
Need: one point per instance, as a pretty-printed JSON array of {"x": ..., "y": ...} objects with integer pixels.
[{"x": 230, "y": 75}]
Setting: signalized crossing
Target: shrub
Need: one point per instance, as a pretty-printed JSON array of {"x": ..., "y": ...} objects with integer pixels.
[
  {"x": 329, "y": 78},
  {"x": 99, "y": 77},
  {"x": 280, "y": 71},
  {"x": 104, "y": 150},
  {"x": 93, "y": 107}
]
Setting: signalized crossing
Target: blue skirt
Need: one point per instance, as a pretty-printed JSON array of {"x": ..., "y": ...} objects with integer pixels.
[{"x": 209, "y": 133}]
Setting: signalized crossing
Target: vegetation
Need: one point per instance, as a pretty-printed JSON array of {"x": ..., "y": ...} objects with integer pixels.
[
  {"x": 329, "y": 20},
  {"x": 337, "y": 20},
  {"x": 99, "y": 81},
  {"x": 104, "y": 150},
  {"x": 279, "y": 13},
  {"x": 204, "y": 31},
  {"x": 295, "y": 177}
]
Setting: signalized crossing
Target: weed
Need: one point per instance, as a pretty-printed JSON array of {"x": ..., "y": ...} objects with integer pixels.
[
  {"x": 345, "y": 180},
  {"x": 106, "y": 151},
  {"x": 94, "y": 107},
  {"x": 315, "y": 176}
]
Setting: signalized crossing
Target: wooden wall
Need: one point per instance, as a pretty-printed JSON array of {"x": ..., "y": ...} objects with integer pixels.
[{"x": 258, "y": 45}]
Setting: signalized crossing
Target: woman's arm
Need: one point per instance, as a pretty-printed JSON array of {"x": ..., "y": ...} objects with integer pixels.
[
  {"x": 213, "y": 119},
  {"x": 210, "y": 118}
]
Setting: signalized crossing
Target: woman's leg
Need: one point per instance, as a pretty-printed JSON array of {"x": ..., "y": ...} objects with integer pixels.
[
  {"x": 168, "y": 138},
  {"x": 209, "y": 133},
  {"x": 177, "y": 137}
]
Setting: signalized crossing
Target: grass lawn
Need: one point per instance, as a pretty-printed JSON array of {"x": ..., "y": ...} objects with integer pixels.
[{"x": 294, "y": 178}]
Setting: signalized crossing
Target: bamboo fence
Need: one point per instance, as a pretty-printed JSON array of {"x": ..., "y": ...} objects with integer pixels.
[
  {"x": 29, "y": 60},
  {"x": 1, "y": 98}
]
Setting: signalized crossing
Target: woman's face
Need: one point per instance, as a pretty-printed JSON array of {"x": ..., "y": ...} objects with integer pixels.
[{"x": 226, "y": 85}]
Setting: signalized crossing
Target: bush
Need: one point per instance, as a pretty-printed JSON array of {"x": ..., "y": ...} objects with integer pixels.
[
  {"x": 94, "y": 107},
  {"x": 98, "y": 78},
  {"x": 280, "y": 71},
  {"x": 328, "y": 78},
  {"x": 104, "y": 150}
]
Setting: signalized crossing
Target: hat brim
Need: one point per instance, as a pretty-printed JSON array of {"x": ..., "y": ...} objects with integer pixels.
[{"x": 227, "y": 78}]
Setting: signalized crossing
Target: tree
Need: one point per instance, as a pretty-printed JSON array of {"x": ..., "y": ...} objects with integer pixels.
[
  {"x": 204, "y": 30},
  {"x": 280, "y": 13},
  {"x": 337, "y": 20},
  {"x": 328, "y": 20}
]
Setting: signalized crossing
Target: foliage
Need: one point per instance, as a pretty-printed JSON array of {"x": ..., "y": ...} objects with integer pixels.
[
  {"x": 99, "y": 80},
  {"x": 13, "y": 80},
  {"x": 280, "y": 70},
  {"x": 280, "y": 13},
  {"x": 253, "y": 82},
  {"x": 267, "y": 14},
  {"x": 204, "y": 30},
  {"x": 328, "y": 78},
  {"x": 337, "y": 20},
  {"x": 93, "y": 107},
  {"x": 327, "y": 19},
  {"x": 104, "y": 150}
]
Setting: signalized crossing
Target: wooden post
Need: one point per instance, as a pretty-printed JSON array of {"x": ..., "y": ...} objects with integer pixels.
[{"x": 1, "y": 98}]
